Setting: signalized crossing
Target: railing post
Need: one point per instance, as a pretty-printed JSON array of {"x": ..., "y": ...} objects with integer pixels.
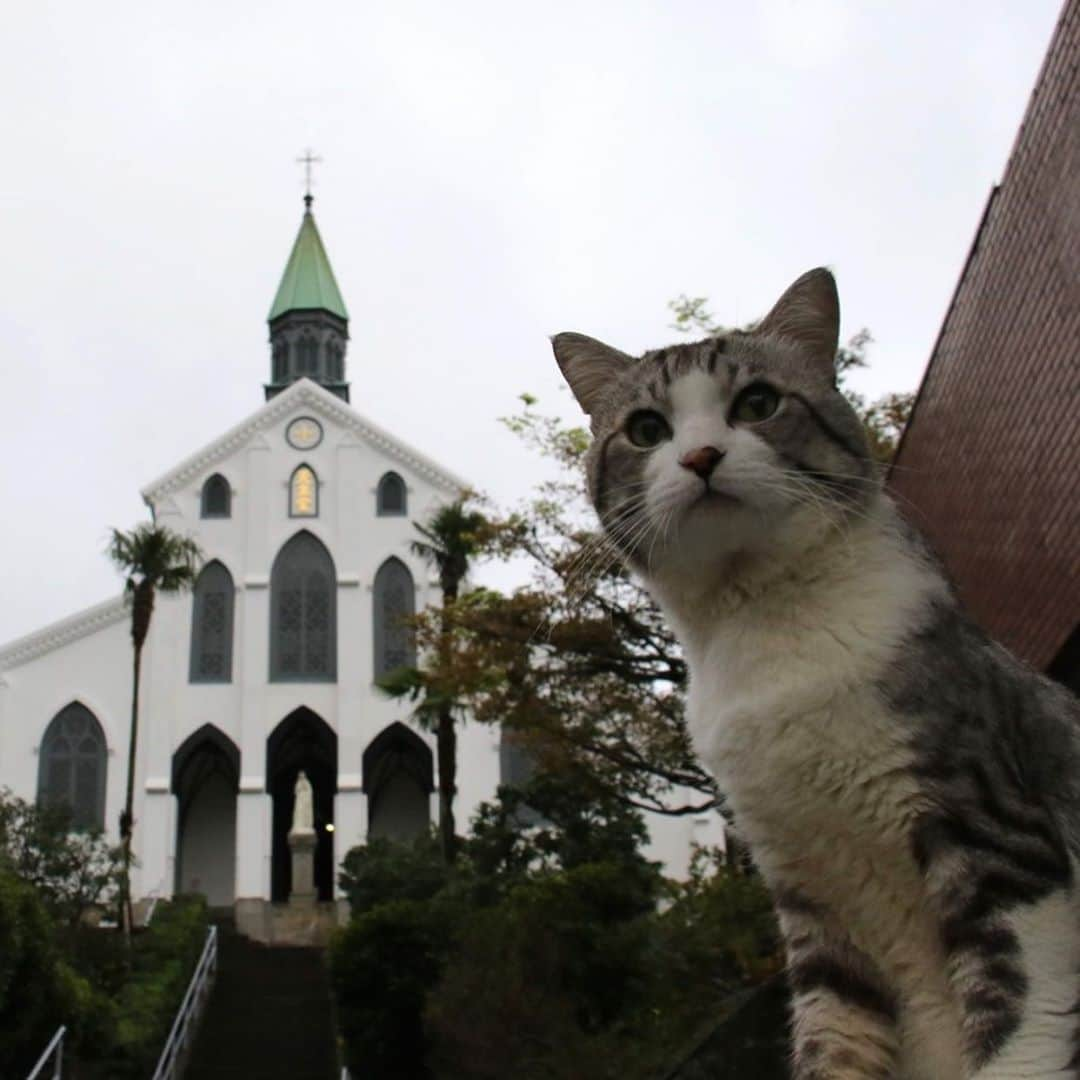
[{"x": 190, "y": 1007}]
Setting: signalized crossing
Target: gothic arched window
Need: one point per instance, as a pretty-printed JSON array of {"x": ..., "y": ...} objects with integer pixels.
[
  {"x": 216, "y": 497},
  {"x": 303, "y": 492},
  {"x": 212, "y": 625},
  {"x": 307, "y": 356},
  {"x": 334, "y": 354},
  {"x": 303, "y": 613},
  {"x": 72, "y": 766},
  {"x": 390, "y": 496},
  {"x": 281, "y": 361},
  {"x": 394, "y": 603}
]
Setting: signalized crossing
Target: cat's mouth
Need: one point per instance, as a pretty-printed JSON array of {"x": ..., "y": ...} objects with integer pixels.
[{"x": 710, "y": 496}]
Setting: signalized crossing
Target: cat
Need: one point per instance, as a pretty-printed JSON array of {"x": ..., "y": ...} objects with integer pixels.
[{"x": 909, "y": 790}]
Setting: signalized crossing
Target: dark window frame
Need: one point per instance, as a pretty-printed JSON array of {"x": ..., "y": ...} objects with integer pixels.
[
  {"x": 214, "y": 573},
  {"x": 65, "y": 726},
  {"x": 293, "y": 600},
  {"x": 388, "y": 480},
  {"x": 215, "y": 486},
  {"x": 405, "y": 642}
]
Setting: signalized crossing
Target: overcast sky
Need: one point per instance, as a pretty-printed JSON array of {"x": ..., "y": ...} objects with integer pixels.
[{"x": 493, "y": 173}]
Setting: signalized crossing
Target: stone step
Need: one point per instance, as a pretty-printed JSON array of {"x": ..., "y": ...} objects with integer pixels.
[{"x": 269, "y": 1016}]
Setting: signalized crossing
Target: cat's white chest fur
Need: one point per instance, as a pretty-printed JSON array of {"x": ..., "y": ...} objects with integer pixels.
[{"x": 782, "y": 710}]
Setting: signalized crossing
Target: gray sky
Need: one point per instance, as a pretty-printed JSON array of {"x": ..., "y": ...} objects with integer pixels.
[{"x": 494, "y": 173}]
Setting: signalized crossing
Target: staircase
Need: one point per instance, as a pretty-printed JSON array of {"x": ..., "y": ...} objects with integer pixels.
[{"x": 269, "y": 1015}]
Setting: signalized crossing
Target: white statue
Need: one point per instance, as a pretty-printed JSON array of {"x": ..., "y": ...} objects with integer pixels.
[{"x": 303, "y": 815}]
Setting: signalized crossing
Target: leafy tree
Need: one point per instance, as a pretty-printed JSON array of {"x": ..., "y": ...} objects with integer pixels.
[
  {"x": 73, "y": 871},
  {"x": 381, "y": 869},
  {"x": 152, "y": 559},
  {"x": 412, "y": 910},
  {"x": 453, "y": 535},
  {"x": 578, "y": 666},
  {"x": 37, "y": 989}
]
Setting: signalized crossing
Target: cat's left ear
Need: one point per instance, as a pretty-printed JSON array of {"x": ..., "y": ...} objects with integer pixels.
[
  {"x": 808, "y": 314},
  {"x": 589, "y": 366}
]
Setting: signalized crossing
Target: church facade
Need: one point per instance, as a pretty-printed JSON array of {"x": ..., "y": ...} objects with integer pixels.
[{"x": 304, "y": 513}]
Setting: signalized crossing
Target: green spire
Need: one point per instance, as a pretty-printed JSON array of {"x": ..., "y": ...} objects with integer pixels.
[{"x": 308, "y": 282}]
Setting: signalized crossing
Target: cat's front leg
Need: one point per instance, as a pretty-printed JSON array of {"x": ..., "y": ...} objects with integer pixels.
[{"x": 844, "y": 1016}]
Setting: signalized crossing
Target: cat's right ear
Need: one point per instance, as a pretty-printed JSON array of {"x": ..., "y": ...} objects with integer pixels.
[{"x": 589, "y": 366}]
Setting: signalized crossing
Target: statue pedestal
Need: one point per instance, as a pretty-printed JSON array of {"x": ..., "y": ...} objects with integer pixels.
[{"x": 302, "y": 850}]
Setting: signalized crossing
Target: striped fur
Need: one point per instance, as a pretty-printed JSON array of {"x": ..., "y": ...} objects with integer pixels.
[{"x": 910, "y": 791}]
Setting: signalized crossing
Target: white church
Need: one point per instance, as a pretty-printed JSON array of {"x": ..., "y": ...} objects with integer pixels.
[{"x": 303, "y": 512}]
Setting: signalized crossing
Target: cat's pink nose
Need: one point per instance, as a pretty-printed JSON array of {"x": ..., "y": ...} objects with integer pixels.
[{"x": 702, "y": 460}]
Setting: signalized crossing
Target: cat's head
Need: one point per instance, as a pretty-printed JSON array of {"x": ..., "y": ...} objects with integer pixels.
[{"x": 737, "y": 445}]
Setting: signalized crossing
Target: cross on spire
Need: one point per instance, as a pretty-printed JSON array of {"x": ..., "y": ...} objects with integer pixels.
[{"x": 307, "y": 161}]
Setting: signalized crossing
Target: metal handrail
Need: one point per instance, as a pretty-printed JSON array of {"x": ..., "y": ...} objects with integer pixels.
[
  {"x": 56, "y": 1045},
  {"x": 189, "y": 1010}
]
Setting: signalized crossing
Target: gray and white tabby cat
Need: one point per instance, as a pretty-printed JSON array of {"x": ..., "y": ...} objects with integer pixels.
[{"x": 910, "y": 791}]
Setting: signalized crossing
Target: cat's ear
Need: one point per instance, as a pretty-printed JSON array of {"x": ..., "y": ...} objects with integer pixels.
[
  {"x": 808, "y": 314},
  {"x": 589, "y": 366}
]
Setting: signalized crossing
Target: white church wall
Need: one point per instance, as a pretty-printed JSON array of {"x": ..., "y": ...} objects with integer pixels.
[
  {"x": 94, "y": 669},
  {"x": 672, "y": 839},
  {"x": 249, "y": 708},
  {"x": 478, "y": 769}
]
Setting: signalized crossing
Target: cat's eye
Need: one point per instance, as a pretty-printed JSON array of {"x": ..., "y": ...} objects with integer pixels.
[
  {"x": 647, "y": 429},
  {"x": 756, "y": 403}
]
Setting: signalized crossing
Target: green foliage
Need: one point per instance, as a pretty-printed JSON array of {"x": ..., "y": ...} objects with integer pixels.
[
  {"x": 454, "y": 534},
  {"x": 537, "y": 983},
  {"x": 153, "y": 553},
  {"x": 383, "y": 870},
  {"x": 552, "y": 948},
  {"x": 37, "y": 989},
  {"x": 73, "y": 871},
  {"x": 163, "y": 960},
  {"x": 117, "y": 1003},
  {"x": 578, "y": 666},
  {"x": 554, "y": 822},
  {"x": 152, "y": 559},
  {"x": 382, "y": 966}
]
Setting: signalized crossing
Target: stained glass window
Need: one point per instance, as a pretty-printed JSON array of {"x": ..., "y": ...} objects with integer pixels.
[
  {"x": 303, "y": 634},
  {"x": 390, "y": 497},
  {"x": 304, "y": 492},
  {"x": 394, "y": 602},
  {"x": 212, "y": 625},
  {"x": 72, "y": 765},
  {"x": 216, "y": 497}
]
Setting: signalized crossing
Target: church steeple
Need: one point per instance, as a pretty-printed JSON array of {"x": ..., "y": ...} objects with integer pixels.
[{"x": 309, "y": 326}]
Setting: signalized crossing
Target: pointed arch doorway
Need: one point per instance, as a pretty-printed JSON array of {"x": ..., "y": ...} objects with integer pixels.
[
  {"x": 399, "y": 777},
  {"x": 205, "y": 780},
  {"x": 303, "y": 740}
]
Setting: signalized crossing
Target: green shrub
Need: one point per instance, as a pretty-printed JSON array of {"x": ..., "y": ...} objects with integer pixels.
[
  {"x": 383, "y": 870},
  {"x": 37, "y": 990},
  {"x": 73, "y": 870},
  {"x": 164, "y": 959},
  {"x": 383, "y": 964}
]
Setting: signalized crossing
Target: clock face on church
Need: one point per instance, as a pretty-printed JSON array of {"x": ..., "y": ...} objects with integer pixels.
[{"x": 304, "y": 433}]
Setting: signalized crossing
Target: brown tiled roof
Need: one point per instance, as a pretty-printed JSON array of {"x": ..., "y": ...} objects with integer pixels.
[{"x": 989, "y": 468}]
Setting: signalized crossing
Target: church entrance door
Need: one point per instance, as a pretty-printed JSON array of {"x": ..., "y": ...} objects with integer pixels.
[
  {"x": 303, "y": 740},
  {"x": 205, "y": 777},
  {"x": 399, "y": 777}
]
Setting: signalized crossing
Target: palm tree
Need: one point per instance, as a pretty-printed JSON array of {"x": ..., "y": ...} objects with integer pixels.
[
  {"x": 152, "y": 559},
  {"x": 450, "y": 538}
]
